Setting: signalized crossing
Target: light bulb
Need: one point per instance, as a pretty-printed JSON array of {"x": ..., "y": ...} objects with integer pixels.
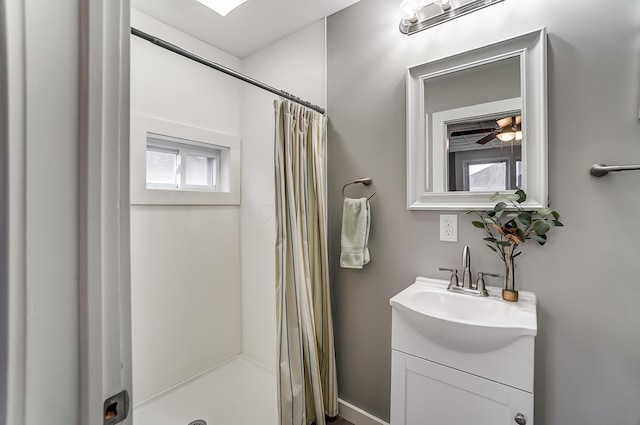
[
  {"x": 506, "y": 136},
  {"x": 444, "y": 4},
  {"x": 409, "y": 9}
]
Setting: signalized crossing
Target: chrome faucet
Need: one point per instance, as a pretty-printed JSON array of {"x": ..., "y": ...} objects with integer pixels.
[
  {"x": 466, "y": 268},
  {"x": 467, "y": 286}
]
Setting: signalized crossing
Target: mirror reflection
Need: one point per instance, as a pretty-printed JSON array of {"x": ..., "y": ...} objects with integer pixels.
[
  {"x": 492, "y": 81},
  {"x": 473, "y": 112},
  {"x": 485, "y": 155},
  {"x": 477, "y": 124}
]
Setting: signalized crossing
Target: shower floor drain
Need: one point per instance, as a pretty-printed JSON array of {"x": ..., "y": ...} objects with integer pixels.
[{"x": 198, "y": 422}]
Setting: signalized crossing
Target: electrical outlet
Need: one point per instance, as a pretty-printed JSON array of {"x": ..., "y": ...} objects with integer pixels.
[{"x": 449, "y": 227}]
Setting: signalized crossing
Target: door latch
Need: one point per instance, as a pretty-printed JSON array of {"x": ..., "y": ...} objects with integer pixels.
[{"x": 116, "y": 408}]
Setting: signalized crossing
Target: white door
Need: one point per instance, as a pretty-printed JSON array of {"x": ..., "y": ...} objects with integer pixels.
[
  {"x": 105, "y": 315},
  {"x": 428, "y": 393},
  {"x": 62, "y": 357}
]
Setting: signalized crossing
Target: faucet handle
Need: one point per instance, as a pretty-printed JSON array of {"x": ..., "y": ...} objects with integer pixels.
[
  {"x": 480, "y": 286},
  {"x": 453, "y": 281}
]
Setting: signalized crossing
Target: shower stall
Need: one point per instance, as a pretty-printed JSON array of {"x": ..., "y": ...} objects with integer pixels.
[{"x": 203, "y": 274}]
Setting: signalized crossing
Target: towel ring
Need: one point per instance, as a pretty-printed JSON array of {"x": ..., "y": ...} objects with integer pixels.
[{"x": 365, "y": 181}]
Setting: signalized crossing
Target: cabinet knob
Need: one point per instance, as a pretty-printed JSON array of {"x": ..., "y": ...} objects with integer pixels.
[{"x": 520, "y": 419}]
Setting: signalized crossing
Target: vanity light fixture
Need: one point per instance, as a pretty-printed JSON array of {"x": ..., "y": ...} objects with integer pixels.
[
  {"x": 418, "y": 15},
  {"x": 444, "y": 4},
  {"x": 409, "y": 9},
  {"x": 221, "y": 7}
]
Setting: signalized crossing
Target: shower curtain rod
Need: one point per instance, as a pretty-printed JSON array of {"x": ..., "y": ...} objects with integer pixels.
[{"x": 190, "y": 55}]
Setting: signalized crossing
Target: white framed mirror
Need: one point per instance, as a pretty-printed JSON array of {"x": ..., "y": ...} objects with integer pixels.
[{"x": 477, "y": 124}]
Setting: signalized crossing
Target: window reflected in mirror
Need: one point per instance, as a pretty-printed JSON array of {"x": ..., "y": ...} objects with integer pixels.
[{"x": 485, "y": 155}]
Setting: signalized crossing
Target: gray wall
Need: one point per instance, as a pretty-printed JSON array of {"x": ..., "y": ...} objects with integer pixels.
[
  {"x": 586, "y": 277},
  {"x": 486, "y": 83}
]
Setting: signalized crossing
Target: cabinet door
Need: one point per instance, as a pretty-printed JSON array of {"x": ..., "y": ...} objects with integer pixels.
[{"x": 427, "y": 393}]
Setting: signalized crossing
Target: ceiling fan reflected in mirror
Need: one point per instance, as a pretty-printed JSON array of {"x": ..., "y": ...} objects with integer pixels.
[{"x": 506, "y": 129}]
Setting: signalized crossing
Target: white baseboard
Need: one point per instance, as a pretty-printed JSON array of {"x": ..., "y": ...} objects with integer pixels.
[{"x": 358, "y": 416}]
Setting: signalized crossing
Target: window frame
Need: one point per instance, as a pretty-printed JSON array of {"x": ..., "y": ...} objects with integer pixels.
[
  {"x": 182, "y": 149},
  {"x": 195, "y": 141}
]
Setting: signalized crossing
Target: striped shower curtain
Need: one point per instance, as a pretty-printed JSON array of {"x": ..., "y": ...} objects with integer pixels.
[{"x": 307, "y": 389}]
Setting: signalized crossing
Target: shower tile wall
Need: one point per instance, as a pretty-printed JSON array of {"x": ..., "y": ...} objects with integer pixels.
[
  {"x": 203, "y": 277},
  {"x": 186, "y": 309},
  {"x": 303, "y": 74}
]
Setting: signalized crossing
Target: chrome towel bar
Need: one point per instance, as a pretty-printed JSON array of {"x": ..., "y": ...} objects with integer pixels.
[
  {"x": 599, "y": 170},
  {"x": 365, "y": 181}
]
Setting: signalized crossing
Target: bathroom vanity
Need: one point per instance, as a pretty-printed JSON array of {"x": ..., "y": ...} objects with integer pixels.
[{"x": 459, "y": 359}]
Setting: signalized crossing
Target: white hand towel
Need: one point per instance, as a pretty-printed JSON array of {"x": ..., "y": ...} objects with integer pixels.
[{"x": 355, "y": 233}]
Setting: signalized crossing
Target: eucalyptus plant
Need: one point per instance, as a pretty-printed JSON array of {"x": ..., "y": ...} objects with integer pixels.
[{"x": 509, "y": 225}]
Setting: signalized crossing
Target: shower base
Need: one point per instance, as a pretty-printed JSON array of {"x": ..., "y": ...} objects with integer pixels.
[{"x": 239, "y": 392}]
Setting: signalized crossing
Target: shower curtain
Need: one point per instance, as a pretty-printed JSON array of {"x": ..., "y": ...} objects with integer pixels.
[{"x": 307, "y": 388}]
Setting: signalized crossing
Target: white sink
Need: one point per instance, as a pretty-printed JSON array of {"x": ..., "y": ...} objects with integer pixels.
[{"x": 464, "y": 322}]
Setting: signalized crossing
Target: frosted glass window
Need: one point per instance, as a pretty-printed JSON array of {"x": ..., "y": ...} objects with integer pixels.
[
  {"x": 179, "y": 164},
  {"x": 176, "y": 164},
  {"x": 488, "y": 177},
  {"x": 161, "y": 167},
  {"x": 199, "y": 170}
]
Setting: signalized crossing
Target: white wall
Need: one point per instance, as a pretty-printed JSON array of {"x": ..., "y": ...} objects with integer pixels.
[
  {"x": 185, "y": 259},
  {"x": 295, "y": 64}
]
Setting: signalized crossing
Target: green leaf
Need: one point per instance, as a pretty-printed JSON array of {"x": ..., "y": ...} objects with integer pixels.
[
  {"x": 541, "y": 239},
  {"x": 492, "y": 247},
  {"x": 541, "y": 227},
  {"x": 544, "y": 211},
  {"x": 525, "y": 218},
  {"x": 498, "y": 214},
  {"x": 495, "y": 196},
  {"x": 489, "y": 239},
  {"x": 520, "y": 234},
  {"x": 558, "y": 224},
  {"x": 513, "y": 197},
  {"x": 503, "y": 243},
  {"x": 521, "y": 196},
  {"x": 500, "y": 206},
  {"x": 490, "y": 220},
  {"x": 555, "y": 215},
  {"x": 478, "y": 224}
]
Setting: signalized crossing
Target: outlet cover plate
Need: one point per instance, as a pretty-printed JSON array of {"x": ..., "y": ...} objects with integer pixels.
[{"x": 449, "y": 227}]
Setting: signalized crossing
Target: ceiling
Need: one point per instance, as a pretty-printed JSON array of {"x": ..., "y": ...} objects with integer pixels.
[{"x": 253, "y": 25}]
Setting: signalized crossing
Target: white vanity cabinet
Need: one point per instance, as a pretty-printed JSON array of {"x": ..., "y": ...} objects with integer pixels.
[
  {"x": 428, "y": 393},
  {"x": 437, "y": 378}
]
